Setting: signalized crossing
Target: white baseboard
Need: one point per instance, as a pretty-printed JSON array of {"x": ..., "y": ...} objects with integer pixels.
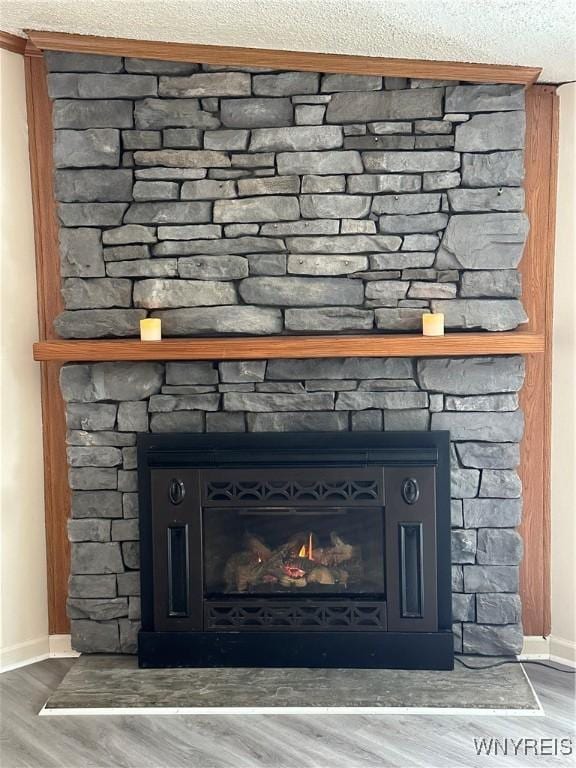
[
  {"x": 61, "y": 647},
  {"x": 21, "y": 654},
  {"x": 550, "y": 648}
]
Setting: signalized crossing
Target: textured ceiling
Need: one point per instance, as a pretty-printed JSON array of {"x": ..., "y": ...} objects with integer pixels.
[{"x": 525, "y": 32}]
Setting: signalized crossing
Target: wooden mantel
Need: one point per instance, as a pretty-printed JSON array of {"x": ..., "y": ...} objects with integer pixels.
[{"x": 254, "y": 348}]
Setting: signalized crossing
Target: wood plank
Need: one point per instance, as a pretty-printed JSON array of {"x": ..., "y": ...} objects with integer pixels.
[
  {"x": 56, "y": 492},
  {"x": 537, "y": 270},
  {"x": 296, "y": 60},
  {"x": 250, "y": 348},
  {"x": 12, "y": 42}
]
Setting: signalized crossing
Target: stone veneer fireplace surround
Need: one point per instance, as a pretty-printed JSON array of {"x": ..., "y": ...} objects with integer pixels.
[{"x": 179, "y": 198}]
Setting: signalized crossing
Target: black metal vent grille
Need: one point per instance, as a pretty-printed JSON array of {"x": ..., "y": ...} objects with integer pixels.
[
  {"x": 341, "y": 615},
  {"x": 291, "y": 491}
]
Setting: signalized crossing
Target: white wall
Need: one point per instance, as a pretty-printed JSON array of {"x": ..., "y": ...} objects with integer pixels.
[
  {"x": 563, "y": 571},
  {"x": 23, "y": 603}
]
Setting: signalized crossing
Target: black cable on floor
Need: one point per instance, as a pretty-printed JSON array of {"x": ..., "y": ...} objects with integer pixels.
[{"x": 517, "y": 661}]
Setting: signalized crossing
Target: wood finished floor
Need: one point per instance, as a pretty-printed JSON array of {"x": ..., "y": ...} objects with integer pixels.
[{"x": 271, "y": 741}]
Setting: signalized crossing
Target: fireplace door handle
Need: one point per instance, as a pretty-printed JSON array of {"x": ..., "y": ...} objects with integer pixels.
[{"x": 176, "y": 491}]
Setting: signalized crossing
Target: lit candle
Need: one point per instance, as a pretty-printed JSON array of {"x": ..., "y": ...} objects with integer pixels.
[
  {"x": 433, "y": 324},
  {"x": 151, "y": 329}
]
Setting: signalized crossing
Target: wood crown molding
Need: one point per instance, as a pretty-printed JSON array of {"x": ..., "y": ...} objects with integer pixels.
[
  {"x": 12, "y": 43},
  {"x": 250, "y": 348},
  {"x": 295, "y": 60}
]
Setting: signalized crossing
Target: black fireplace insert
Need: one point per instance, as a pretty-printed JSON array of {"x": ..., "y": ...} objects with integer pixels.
[{"x": 295, "y": 550}]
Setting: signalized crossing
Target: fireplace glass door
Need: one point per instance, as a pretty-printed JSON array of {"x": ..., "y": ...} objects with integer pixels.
[{"x": 293, "y": 551}]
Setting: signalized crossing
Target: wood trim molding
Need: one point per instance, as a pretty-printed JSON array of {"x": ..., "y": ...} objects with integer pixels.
[
  {"x": 537, "y": 268},
  {"x": 12, "y": 43},
  {"x": 297, "y": 60},
  {"x": 251, "y": 348},
  {"x": 56, "y": 492}
]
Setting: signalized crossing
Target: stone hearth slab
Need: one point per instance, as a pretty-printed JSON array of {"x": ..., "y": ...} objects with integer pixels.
[{"x": 102, "y": 685}]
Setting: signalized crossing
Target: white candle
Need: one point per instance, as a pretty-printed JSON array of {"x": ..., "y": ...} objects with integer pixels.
[
  {"x": 433, "y": 324},
  {"x": 151, "y": 329}
]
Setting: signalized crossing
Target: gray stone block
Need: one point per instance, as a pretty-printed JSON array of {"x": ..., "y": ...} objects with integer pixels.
[
  {"x": 498, "y": 608},
  {"x": 141, "y": 140},
  {"x": 103, "y": 586},
  {"x": 490, "y": 640},
  {"x": 101, "y": 86},
  {"x": 243, "y": 371},
  {"x": 158, "y": 293},
  {"x": 407, "y": 421},
  {"x": 301, "y": 138},
  {"x": 129, "y": 458},
  {"x": 301, "y": 291},
  {"x": 129, "y": 583},
  {"x": 306, "y": 227},
  {"x": 464, "y": 483},
  {"x": 379, "y": 142},
  {"x": 493, "y": 169},
  {"x": 80, "y": 293},
  {"x": 420, "y": 242},
  {"x": 99, "y": 609},
  {"x": 168, "y": 403},
  {"x": 336, "y": 82},
  {"x": 237, "y": 230},
  {"x": 410, "y": 162},
  {"x": 96, "y": 504},
  {"x": 104, "y": 456},
  {"x": 505, "y": 402},
  {"x": 328, "y": 319},
  {"x": 131, "y": 554},
  {"x": 130, "y": 505},
  {"x": 471, "y": 376},
  {"x": 441, "y": 180},
  {"x": 499, "y": 546},
  {"x": 81, "y": 253},
  {"x": 78, "y": 437},
  {"x": 344, "y": 244},
  {"x": 426, "y": 290},
  {"x": 357, "y": 227},
  {"x": 489, "y": 455},
  {"x": 334, "y": 206},
  {"x": 489, "y": 427},
  {"x": 255, "y": 209},
  {"x": 129, "y": 635},
  {"x": 404, "y": 204},
  {"x": 95, "y": 636},
  {"x": 90, "y": 416},
  {"x": 181, "y": 138},
  {"x": 298, "y": 421},
  {"x": 374, "y": 182},
  {"x": 225, "y": 422},
  {"x": 277, "y": 401},
  {"x": 117, "y": 381},
  {"x": 501, "y": 483},
  {"x": 227, "y": 140},
  {"x": 494, "y": 513},
  {"x": 159, "y": 67},
  {"x": 256, "y": 113},
  {"x": 173, "y": 174},
  {"x": 286, "y": 84},
  {"x": 227, "y": 267},
  {"x": 356, "y": 107},
  {"x": 484, "y": 98},
  {"x": 456, "y": 513},
  {"x": 422, "y": 222},
  {"x": 96, "y": 323},
  {"x": 463, "y": 545},
  {"x": 434, "y": 142},
  {"x": 489, "y": 199},
  {"x": 358, "y": 401},
  {"x": 339, "y": 368},
  {"x": 491, "y": 578},
  {"x": 129, "y": 234},
  {"x": 91, "y": 214},
  {"x": 92, "y": 147},
  {"x": 134, "y": 614},
  {"x": 402, "y": 260},
  {"x": 432, "y": 127},
  {"x": 156, "y": 114},
  {"x": 463, "y": 607},
  {"x": 384, "y": 385},
  {"x": 367, "y": 421},
  {"x": 178, "y": 421},
  {"x": 191, "y": 373},
  {"x": 385, "y": 290},
  {"x": 208, "y": 189},
  {"x": 489, "y": 314},
  {"x": 320, "y": 264},
  {"x": 205, "y": 84},
  {"x": 309, "y": 114},
  {"x": 227, "y": 319},
  {"x": 436, "y": 403},
  {"x": 98, "y": 558},
  {"x": 82, "y": 115},
  {"x": 275, "y": 185},
  {"x": 320, "y": 163},
  {"x": 59, "y": 61},
  {"x": 183, "y": 158},
  {"x": 93, "y": 185},
  {"x": 500, "y": 283},
  {"x": 125, "y": 530},
  {"x": 92, "y": 478},
  {"x": 190, "y": 232},
  {"x": 145, "y": 268},
  {"x": 88, "y": 530},
  {"x": 457, "y": 578},
  {"x": 156, "y": 190},
  {"x": 486, "y": 241}
]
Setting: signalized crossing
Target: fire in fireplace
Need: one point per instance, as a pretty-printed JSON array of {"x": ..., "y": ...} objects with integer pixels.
[{"x": 295, "y": 550}]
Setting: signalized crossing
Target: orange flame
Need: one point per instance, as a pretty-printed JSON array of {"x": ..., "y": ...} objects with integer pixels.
[{"x": 306, "y": 551}]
